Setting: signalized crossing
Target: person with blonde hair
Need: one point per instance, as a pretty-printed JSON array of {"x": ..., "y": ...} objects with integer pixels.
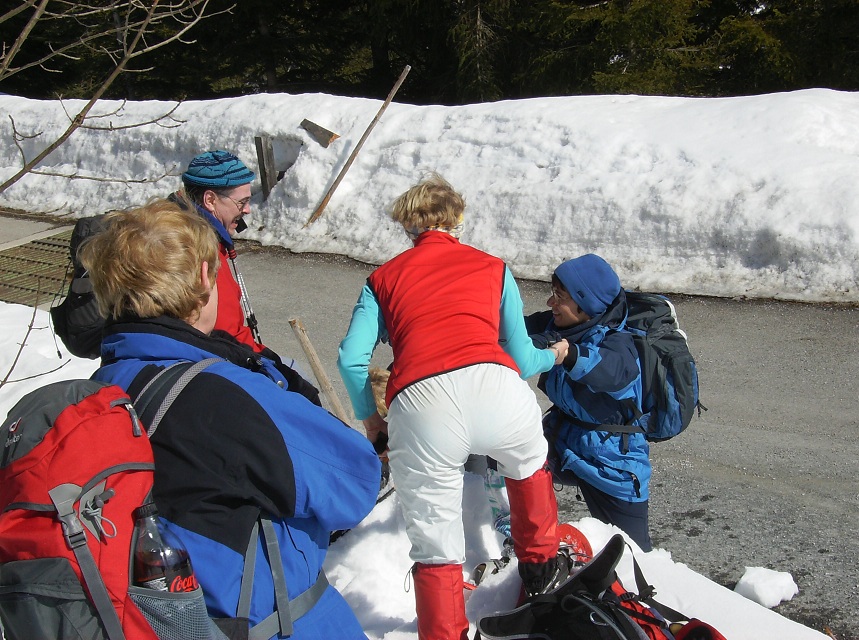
[
  {"x": 168, "y": 275},
  {"x": 237, "y": 455},
  {"x": 453, "y": 317}
]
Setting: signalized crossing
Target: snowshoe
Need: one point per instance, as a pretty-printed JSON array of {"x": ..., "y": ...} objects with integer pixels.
[
  {"x": 574, "y": 550},
  {"x": 491, "y": 567},
  {"x": 577, "y": 546},
  {"x": 386, "y": 485}
]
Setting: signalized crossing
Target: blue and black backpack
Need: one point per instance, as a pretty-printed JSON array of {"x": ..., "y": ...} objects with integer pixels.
[{"x": 669, "y": 376}]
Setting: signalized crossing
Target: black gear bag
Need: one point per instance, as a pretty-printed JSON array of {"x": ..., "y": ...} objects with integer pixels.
[
  {"x": 77, "y": 319},
  {"x": 592, "y": 604}
]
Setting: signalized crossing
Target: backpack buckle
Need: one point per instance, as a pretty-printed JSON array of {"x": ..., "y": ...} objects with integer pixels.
[{"x": 64, "y": 497}]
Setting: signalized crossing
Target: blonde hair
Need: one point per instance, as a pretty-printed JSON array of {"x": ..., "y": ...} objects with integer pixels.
[
  {"x": 147, "y": 262},
  {"x": 379, "y": 384},
  {"x": 430, "y": 203}
]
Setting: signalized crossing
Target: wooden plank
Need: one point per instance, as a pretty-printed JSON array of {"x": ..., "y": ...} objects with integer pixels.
[
  {"x": 265, "y": 160},
  {"x": 322, "y": 135},
  {"x": 318, "y": 370},
  {"x": 351, "y": 159}
]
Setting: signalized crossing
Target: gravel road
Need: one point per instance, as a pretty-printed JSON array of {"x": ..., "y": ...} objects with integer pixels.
[{"x": 766, "y": 477}]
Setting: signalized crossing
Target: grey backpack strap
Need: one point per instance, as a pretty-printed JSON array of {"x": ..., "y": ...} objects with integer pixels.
[
  {"x": 155, "y": 398},
  {"x": 281, "y": 594},
  {"x": 244, "y": 606},
  {"x": 287, "y": 611},
  {"x": 64, "y": 497}
]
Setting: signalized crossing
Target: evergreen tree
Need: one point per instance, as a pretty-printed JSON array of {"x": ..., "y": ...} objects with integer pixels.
[
  {"x": 647, "y": 47},
  {"x": 461, "y": 50}
]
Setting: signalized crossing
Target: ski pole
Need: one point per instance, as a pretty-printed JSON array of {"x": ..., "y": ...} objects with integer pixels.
[{"x": 244, "y": 299}]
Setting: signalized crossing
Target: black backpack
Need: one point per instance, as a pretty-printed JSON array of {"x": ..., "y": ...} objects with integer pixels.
[
  {"x": 593, "y": 604},
  {"x": 581, "y": 608},
  {"x": 77, "y": 319}
]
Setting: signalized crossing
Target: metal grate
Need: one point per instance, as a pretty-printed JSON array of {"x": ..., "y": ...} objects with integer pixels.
[{"x": 33, "y": 273}]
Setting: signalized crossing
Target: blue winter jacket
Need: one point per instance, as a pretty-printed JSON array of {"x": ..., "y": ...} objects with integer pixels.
[
  {"x": 235, "y": 445},
  {"x": 592, "y": 385}
]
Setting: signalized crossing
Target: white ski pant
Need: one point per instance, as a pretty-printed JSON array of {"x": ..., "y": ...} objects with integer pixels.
[{"x": 433, "y": 426}]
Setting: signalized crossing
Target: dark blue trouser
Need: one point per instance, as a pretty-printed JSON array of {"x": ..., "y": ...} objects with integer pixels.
[{"x": 630, "y": 517}]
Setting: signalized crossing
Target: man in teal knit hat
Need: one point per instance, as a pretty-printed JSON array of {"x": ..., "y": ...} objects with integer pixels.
[
  {"x": 218, "y": 185},
  {"x": 215, "y": 179}
]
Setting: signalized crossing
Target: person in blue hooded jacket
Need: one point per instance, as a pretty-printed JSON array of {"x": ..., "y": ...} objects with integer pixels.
[
  {"x": 238, "y": 456},
  {"x": 598, "y": 383}
]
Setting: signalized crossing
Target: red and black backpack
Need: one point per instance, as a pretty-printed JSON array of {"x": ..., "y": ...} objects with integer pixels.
[
  {"x": 76, "y": 463},
  {"x": 592, "y": 604}
]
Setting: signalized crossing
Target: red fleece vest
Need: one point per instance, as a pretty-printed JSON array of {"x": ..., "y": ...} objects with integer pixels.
[
  {"x": 441, "y": 303},
  {"x": 231, "y": 317}
]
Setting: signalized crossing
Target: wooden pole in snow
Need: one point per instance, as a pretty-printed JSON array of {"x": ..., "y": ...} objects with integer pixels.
[
  {"x": 351, "y": 159},
  {"x": 318, "y": 369}
]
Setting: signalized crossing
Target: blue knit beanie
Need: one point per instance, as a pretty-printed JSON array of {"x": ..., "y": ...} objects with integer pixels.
[
  {"x": 217, "y": 169},
  {"x": 591, "y": 282}
]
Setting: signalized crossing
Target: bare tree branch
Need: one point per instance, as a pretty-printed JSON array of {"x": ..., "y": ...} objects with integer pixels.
[
  {"x": 17, "y": 137},
  {"x": 132, "y": 36},
  {"x": 95, "y": 37},
  {"x": 26, "y": 335},
  {"x": 38, "y": 375},
  {"x": 172, "y": 123},
  {"x": 23, "y": 344},
  {"x": 76, "y": 176},
  {"x": 22, "y": 37},
  {"x": 14, "y": 12}
]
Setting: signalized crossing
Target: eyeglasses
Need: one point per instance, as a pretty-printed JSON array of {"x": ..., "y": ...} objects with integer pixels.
[
  {"x": 562, "y": 297},
  {"x": 241, "y": 204}
]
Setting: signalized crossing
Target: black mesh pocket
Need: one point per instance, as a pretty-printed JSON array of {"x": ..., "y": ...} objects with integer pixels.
[{"x": 176, "y": 616}]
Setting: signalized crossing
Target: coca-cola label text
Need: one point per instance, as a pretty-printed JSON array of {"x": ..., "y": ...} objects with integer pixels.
[{"x": 181, "y": 584}]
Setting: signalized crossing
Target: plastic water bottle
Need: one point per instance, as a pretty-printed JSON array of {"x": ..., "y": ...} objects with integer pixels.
[{"x": 161, "y": 561}]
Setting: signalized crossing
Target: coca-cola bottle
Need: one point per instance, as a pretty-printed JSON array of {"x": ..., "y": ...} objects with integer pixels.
[{"x": 161, "y": 561}]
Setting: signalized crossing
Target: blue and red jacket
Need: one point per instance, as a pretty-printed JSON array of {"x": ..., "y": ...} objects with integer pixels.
[{"x": 235, "y": 445}]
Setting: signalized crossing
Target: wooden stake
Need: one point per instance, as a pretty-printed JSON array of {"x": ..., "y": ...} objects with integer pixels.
[
  {"x": 322, "y": 135},
  {"x": 265, "y": 161},
  {"x": 351, "y": 159},
  {"x": 318, "y": 369}
]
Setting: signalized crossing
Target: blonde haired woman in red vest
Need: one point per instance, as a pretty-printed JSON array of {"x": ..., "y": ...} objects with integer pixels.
[{"x": 453, "y": 317}]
